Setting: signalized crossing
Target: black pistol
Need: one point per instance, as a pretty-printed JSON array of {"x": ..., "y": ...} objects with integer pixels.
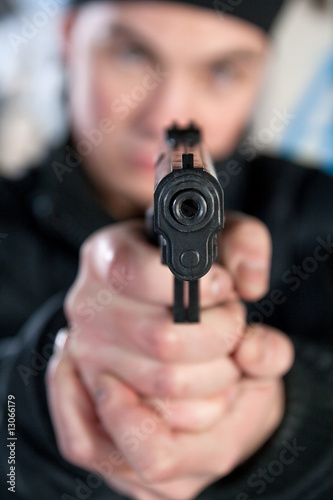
[{"x": 187, "y": 215}]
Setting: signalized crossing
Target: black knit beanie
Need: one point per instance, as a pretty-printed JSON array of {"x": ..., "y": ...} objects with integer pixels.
[{"x": 259, "y": 12}]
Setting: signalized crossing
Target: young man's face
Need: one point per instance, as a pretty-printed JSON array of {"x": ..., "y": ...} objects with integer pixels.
[{"x": 136, "y": 68}]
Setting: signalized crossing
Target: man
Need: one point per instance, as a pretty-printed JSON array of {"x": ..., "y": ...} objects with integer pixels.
[{"x": 160, "y": 410}]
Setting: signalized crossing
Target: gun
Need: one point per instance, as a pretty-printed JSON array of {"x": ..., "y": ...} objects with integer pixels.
[{"x": 187, "y": 215}]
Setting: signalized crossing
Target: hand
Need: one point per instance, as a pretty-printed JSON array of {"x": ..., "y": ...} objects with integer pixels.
[{"x": 161, "y": 359}]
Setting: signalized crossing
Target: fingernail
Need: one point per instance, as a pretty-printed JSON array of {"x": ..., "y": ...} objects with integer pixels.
[
  {"x": 256, "y": 347},
  {"x": 254, "y": 274}
]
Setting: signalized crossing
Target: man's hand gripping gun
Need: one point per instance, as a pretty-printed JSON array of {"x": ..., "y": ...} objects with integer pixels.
[{"x": 187, "y": 215}]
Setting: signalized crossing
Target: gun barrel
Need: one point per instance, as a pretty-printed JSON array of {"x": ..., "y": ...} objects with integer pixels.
[{"x": 188, "y": 205}]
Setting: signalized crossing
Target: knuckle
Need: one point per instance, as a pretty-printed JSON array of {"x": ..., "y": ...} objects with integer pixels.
[
  {"x": 70, "y": 303},
  {"x": 83, "y": 353},
  {"x": 80, "y": 452},
  {"x": 158, "y": 471},
  {"x": 227, "y": 465},
  {"x": 106, "y": 257},
  {"x": 285, "y": 348},
  {"x": 165, "y": 381},
  {"x": 164, "y": 342},
  {"x": 228, "y": 460},
  {"x": 79, "y": 292},
  {"x": 87, "y": 255},
  {"x": 87, "y": 248},
  {"x": 119, "y": 266}
]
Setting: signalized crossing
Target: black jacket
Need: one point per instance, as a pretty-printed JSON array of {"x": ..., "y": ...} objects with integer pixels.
[{"x": 44, "y": 218}]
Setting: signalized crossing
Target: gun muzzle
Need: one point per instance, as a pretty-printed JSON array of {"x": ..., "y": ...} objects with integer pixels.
[
  {"x": 188, "y": 205},
  {"x": 187, "y": 215}
]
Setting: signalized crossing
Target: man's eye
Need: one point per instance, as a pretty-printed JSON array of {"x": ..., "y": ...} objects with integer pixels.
[
  {"x": 224, "y": 73},
  {"x": 132, "y": 54}
]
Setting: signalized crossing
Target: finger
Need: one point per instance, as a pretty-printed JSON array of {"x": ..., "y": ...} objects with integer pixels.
[
  {"x": 264, "y": 352},
  {"x": 83, "y": 443},
  {"x": 149, "y": 331},
  {"x": 162, "y": 380},
  {"x": 155, "y": 452},
  {"x": 158, "y": 454},
  {"x": 195, "y": 415},
  {"x": 216, "y": 287},
  {"x": 131, "y": 425},
  {"x": 245, "y": 250},
  {"x": 111, "y": 465},
  {"x": 253, "y": 418},
  {"x": 80, "y": 437},
  {"x": 122, "y": 261}
]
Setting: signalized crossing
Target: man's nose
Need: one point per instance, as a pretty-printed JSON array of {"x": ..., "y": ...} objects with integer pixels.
[{"x": 172, "y": 101}]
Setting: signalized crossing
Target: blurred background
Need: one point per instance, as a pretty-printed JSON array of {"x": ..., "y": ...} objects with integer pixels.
[{"x": 299, "y": 85}]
